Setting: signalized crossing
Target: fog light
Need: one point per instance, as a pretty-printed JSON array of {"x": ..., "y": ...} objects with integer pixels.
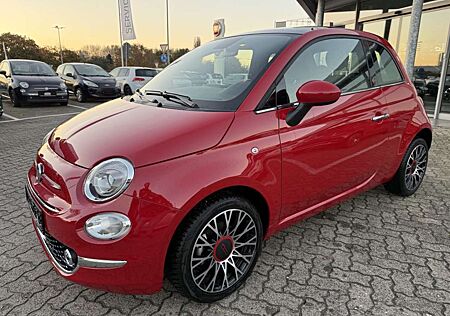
[
  {"x": 108, "y": 226},
  {"x": 70, "y": 258}
]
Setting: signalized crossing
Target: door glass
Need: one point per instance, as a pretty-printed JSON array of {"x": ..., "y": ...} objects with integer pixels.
[
  {"x": 114, "y": 72},
  {"x": 69, "y": 69},
  {"x": 123, "y": 72},
  {"x": 383, "y": 70},
  {"x": 340, "y": 61}
]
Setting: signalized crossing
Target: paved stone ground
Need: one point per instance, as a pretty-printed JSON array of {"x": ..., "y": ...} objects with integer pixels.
[{"x": 376, "y": 254}]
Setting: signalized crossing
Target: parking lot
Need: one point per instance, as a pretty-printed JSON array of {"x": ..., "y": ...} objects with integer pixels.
[{"x": 376, "y": 254}]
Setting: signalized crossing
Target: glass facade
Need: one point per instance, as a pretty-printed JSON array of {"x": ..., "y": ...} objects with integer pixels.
[{"x": 433, "y": 37}]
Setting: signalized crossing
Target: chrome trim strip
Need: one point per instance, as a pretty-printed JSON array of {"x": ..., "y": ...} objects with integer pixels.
[
  {"x": 100, "y": 263},
  {"x": 40, "y": 200},
  {"x": 52, "y": 183},
  {"x": 342, "y": 94}
]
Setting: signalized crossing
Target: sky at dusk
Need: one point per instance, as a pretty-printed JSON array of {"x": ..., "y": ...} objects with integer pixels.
[{"x": 92, "y": 22}]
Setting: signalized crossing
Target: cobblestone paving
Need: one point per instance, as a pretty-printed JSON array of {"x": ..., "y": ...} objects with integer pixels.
[{"x": 376, "y": 254}]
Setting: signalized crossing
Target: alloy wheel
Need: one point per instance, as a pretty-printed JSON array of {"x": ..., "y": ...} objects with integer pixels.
[
  {"x": 224, "y": 251},
  {"x": 415, "y": 167}
]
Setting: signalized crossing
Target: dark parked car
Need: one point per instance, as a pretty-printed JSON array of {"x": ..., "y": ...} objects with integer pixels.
[
  {"x": 433, "y": 85},
  {"x": 88, "y": 80},
  {"x": 31, "y": 81}
]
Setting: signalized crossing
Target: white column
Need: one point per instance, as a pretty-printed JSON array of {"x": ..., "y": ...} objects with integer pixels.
[
  {"x": 320, "y": 12},
  {"x": 413, "y": 36}
]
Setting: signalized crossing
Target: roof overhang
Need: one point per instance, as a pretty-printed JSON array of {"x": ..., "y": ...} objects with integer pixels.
[{"x": 310, "y": 6}]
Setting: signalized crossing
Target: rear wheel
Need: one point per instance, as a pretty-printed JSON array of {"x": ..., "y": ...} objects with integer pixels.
[
  {"x": 412, "y": 170},
  {"x": 217, "y": 249},
  {"x": 14, "y": 99},
  {"x": 127, "y": 90}
]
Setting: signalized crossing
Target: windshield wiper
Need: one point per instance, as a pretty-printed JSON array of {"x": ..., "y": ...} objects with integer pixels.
[
  {"x": 178, "y": 98},
  {"x": 143, "y": 97}
]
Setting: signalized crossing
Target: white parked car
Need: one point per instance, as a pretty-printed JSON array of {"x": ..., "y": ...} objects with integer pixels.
[{"x": 131, "y": 78}]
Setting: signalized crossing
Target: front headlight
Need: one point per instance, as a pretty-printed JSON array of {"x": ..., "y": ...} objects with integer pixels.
[
  {"x": 63, "y": 86},
  {"x": 24, "y": 84},
  {"x": 108, "y": 179},
  {"x": 108, "y": 226},
  {"x": 47, "y": 137},
  {"x": 90, "y": 83}
]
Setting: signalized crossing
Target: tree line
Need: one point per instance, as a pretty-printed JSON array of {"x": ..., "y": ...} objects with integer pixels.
[{"x": 107, "y": 57}]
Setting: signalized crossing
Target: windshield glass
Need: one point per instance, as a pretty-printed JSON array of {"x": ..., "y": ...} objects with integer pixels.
[
  {"x": 219, "y": 74},
  {"x": 91, "y": 71},
  {"x": 31, "y": 68}
]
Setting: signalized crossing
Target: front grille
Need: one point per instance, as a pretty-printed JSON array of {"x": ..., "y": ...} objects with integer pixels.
[
  {"x": 108, "y": 91},
  {"x": 57, "y": 250}
]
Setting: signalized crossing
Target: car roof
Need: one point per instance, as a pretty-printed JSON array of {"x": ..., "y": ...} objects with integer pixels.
[
  {"x": 30, "y": 60},
  {"x": 81, "y": 64},
  {"x": 286, "y": 30},
  {"x": 136, "y": 67}
]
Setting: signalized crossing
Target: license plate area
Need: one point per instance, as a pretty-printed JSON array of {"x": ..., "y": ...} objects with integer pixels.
[{"x": 36, "y": 212}]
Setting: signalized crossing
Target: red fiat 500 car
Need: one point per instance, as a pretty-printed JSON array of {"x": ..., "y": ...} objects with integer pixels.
[{"x": 185, "y": 178}]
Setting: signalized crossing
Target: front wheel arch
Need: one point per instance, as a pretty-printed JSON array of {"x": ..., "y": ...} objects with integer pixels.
[{"x": 251, "y": 195}]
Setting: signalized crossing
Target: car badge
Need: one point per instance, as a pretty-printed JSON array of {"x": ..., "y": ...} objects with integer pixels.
[
  {"x": 106, "y": 84},
  {"x": 46, "y": 88},
  {"x": 39, "y": 172}
]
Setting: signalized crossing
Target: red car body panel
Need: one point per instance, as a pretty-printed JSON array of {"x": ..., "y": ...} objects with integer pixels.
[
  {"x": 182, "y": 158},
  {"x": 133, "y": 135}
]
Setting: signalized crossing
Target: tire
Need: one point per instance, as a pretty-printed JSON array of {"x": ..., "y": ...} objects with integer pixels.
[
  {"x": 200, "y": 255},
  {"x": 127, "y": 90},
  {"x": 412, "y": 169},
  {"x": 15, "y": 102},
  {"x": 80, "y": 95}
]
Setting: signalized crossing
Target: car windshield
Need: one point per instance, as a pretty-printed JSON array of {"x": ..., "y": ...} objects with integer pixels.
[
  {"x": 31, "y": 68},
  {"x": 91, "y": 71},
  {"x": 218, "y": 75}
]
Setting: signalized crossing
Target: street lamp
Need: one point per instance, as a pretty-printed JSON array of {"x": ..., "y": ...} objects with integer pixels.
[{"x": 59, "y": 28}]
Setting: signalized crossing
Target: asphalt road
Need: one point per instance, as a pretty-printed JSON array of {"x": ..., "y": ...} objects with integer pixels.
[{"x": 376, "y": 254}]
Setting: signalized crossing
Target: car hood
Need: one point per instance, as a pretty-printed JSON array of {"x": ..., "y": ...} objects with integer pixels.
[
  {"x": 144, "y": 134},
  {"x": 101, "y": 80},
  {"x": 39, "y": 80}
]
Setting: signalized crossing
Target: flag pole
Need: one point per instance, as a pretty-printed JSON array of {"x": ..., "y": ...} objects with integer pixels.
[
  {"x": 4, "y": 50},
  {"x": 120, "y": 32}
]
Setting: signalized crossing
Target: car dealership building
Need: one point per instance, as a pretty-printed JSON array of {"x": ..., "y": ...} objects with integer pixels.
[{"x": 419, "y": 30}]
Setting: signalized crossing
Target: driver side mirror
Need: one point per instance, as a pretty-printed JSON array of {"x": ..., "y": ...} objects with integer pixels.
[
  {"x": 3, "y": 72},
  {"x": 69, "y": 74},
  {"x": 312, "y": 93}
]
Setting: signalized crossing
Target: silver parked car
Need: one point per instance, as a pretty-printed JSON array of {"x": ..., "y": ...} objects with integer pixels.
[{"x": 131, "y": 78}]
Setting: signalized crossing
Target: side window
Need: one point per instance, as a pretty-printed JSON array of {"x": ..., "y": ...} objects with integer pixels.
[
  {"x": 340, "y": 61},
  {"x": 114, "y": 72},
  {"x": 59, "y": 70},
  {"x": 5, "y": 67},
  {"x": 383, "y": 69},
  {"x": 69, "y": 69},
  {"x": 123, "y": 72}
]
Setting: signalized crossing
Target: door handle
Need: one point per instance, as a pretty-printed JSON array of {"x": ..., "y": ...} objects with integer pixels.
[{"x": 380, "y": 117}]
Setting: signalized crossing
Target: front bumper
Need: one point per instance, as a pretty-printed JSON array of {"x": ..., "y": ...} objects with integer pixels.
[
  {"x": 56, "y": 250},
  {"x": 42, "y": 96},
  {"x": 103, "y": 93},
  {"x": 133, "y": 264}
]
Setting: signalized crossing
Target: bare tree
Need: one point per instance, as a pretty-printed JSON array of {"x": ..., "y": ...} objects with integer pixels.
[{"x": 197, "y": 41}]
